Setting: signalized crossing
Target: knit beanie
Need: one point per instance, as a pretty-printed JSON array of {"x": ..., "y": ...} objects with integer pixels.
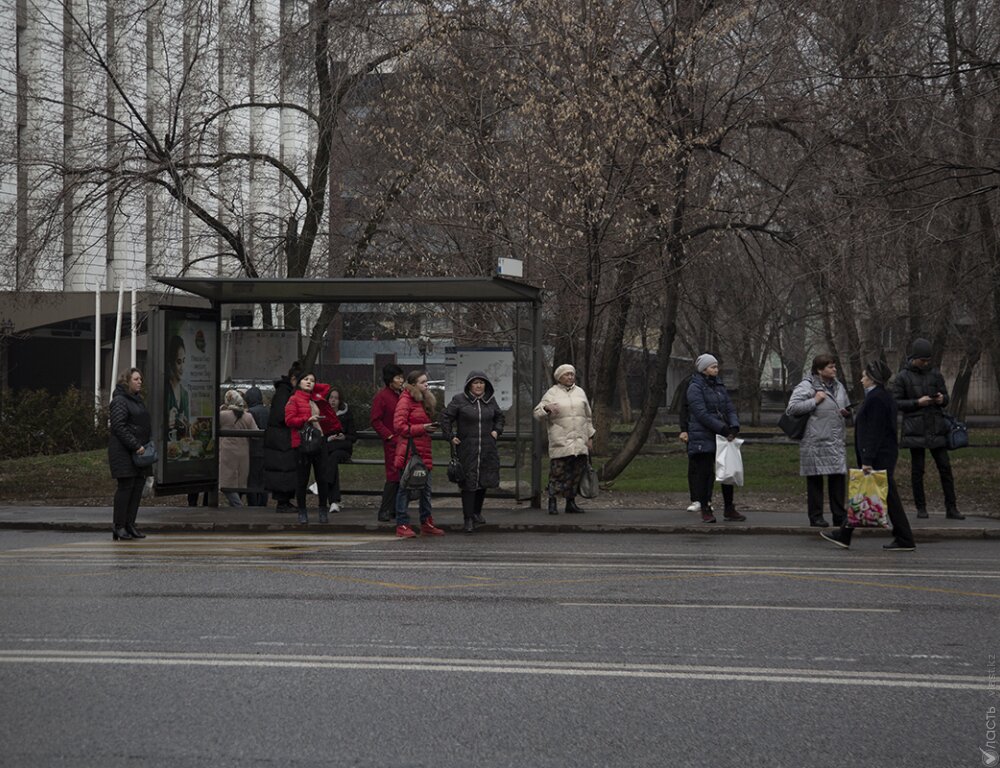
[
  {"x": 564, "y": 368},
  {"x": 920, "y": 348},
  {"x": 704, "y": 361}
]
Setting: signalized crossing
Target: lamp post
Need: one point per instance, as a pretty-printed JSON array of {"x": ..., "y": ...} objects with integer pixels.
[{"x": 424, "y": 346}]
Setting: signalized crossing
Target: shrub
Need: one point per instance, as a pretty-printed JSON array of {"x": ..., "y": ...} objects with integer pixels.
[{"x": 35, "y": 422}]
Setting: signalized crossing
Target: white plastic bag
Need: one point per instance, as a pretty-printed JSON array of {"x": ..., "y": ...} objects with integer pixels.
[{"x": 728, "y": 461}]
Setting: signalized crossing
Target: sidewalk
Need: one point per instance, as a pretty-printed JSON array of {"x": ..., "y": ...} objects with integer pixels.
[{"x": 501, "y": 515}]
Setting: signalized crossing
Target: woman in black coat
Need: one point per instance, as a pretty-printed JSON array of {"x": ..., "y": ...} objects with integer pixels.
[
  {"x": 280, "y": 460},
  {"x": 877, "y": 448},
  {"x": 339, "y": 446},
  {"x": 130, "y": 430},
  {"x": 472, "y": 422}
]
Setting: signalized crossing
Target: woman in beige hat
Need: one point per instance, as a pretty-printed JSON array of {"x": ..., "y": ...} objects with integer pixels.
[{"x": 567, "y": 416}]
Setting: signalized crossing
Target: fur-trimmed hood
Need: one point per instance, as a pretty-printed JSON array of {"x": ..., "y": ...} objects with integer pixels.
[{"x": 427, "y": 398}]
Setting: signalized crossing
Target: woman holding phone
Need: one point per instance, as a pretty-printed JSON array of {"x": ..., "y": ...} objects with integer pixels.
[
  {"x": 308, "y": 405},
  {"x": 413, "y": 423}
]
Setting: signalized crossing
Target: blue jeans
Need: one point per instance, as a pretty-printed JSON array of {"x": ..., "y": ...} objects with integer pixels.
[{"x": 403, "y": 501}]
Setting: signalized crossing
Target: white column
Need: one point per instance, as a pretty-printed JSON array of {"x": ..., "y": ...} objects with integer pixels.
[
  {"x": 97, "y": 351},
  {"x": 135, "y": 324}
]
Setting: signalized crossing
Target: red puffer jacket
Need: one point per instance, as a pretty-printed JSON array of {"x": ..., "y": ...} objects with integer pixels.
[
  {"x": 411, "y": 420},
  {"x": 298, "y": 412}
]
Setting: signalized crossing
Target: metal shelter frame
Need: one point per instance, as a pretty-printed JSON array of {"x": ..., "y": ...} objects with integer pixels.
[{"x": 424, "y": 290}]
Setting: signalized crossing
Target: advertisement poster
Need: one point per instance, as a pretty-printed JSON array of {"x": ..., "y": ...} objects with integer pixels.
[{"x": 189, "y": 395}]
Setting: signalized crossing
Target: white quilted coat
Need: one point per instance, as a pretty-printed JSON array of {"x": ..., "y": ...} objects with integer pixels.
[{"x": 571, "y": 427}]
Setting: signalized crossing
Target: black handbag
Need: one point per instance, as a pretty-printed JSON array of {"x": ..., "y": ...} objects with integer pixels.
[
  {"x": 456, "y": 472},
  {"x": 958, "y": 433},
  {"x": 588, "y": 482},
  {"x": 794, "y": 426},
  {"x": 147, "y": 458},
  {"x": 414, "y": 475},
  {"x": 310, "y": 439}
]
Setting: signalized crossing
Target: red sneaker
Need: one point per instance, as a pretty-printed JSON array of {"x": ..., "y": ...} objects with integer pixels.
[
  {"x": 428, "y": 527},
  {"x": 405, "y": 532}
]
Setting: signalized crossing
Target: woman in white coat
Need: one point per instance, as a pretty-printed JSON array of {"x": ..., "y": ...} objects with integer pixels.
[
  {"x": 823, "y": 451},
  {"x": 566, "y": 413}
]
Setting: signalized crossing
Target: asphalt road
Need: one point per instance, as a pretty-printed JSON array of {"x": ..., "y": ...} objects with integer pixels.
[{"x": 495, "y": 650}]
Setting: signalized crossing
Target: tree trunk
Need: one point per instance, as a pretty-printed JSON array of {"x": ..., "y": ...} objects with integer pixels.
[
  {"x": 610, "y": 359},
  {"x": 960, "y": 390},
  {"x": 656, "y": 386}
]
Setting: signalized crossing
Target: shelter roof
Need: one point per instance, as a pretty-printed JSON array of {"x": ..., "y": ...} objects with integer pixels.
[{"x": 224, "y": 290}]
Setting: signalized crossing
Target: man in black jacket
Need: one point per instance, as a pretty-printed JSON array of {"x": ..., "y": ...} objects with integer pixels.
[{"x": 921, "y": 395}]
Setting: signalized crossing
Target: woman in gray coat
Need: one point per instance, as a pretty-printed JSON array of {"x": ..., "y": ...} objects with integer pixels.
[
  {"x": 823, "y": 451},
  {"x": 472, "y": 422}
]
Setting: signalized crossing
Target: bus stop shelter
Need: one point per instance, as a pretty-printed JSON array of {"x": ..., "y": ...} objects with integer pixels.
[{"x": 424, "y": 290}]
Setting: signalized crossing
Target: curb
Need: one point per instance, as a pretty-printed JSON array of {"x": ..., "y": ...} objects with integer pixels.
[{"x": 925, "y": 534}]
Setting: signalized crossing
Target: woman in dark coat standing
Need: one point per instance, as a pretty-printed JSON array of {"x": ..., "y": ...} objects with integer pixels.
[
  {"x": 339, "y": 446},
  {"x": 711, "y": 413},
  {"x": 131, "y": 428},
  {"x": 472, "y": 422},
  {"x": 877, "y": 448},
  {"x": 280, "y": 461}
]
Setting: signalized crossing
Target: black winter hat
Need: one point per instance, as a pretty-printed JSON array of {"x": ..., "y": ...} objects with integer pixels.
[
  {"x": 878, "y": 372},
  {"x": 920, "y": 348},
  {"x": 389, "y": 372}
]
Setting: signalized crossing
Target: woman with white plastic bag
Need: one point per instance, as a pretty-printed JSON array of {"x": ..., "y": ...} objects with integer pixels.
[
  {"x": 728, "y": 461},
  {"x": 711, "y": 414}
]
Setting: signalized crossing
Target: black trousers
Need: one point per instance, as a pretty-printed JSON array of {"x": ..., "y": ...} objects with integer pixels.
[
  {"x": 333, "y": 477},
  {"x": 940, "y": 455},
  {"x": 472, "y": 502},
  {"x": 127, "y": 498},
  {"x": 701, "y": 479},
  {"x": 897, "y": 515},
  {"x": 257, "y": 496},
  {"x": 702, "y": 467},
  {"x": 837, "y": 489},
  {"x": 388, "y": 504},
  {"x": 305, "y": 462}
]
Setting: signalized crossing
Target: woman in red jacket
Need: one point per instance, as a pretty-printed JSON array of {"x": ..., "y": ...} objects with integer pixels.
[
  {"x": 308, "y": 405},
  {"x": 413, "y": 424},
  {"x": 383, "y": 409}
]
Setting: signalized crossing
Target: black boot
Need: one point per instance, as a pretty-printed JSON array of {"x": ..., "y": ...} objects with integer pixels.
[
  {"x": 120, "y": 533},
  {"x": 469, "y": 525},
  {"x": 572, "y": 508},
  {"x": 553, "y": 509},
  {"x": 841, "y": 537},
  {"x": 134, "y": 532}
]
